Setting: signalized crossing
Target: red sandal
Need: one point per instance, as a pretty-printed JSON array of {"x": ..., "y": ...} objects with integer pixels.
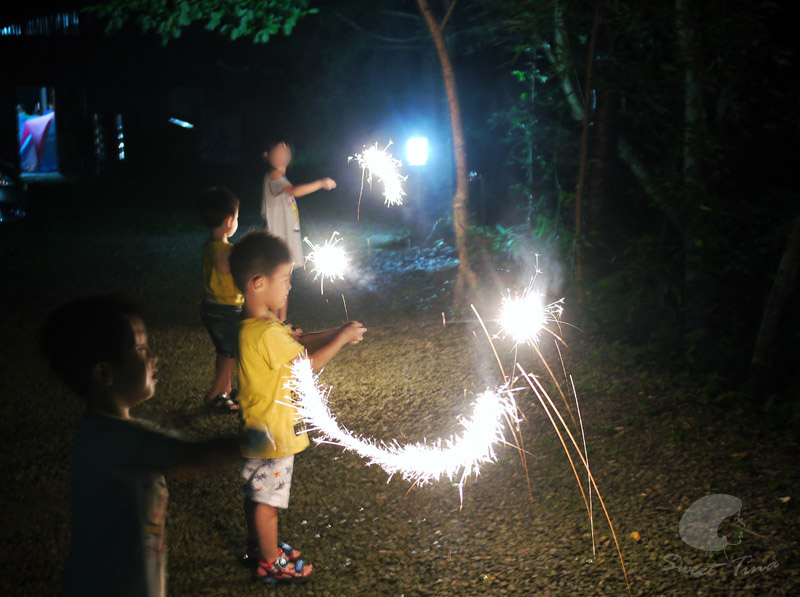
[
  {"x": 282, "y": 571},
  {"x": 253, "y": 553}
]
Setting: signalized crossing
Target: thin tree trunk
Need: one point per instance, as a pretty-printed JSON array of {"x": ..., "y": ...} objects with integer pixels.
[
  {"x": 691, "y": 93},
  {"x": 531, "y": 152},
  {"x": 777, "y": 302},
  {"x": 587, "y": 107},
  {"x": 561, "y": 58},
  {"x": 686, "y": 32},
  {"x": 467, "y": 280},
  {"x": 601, "y": 169}
]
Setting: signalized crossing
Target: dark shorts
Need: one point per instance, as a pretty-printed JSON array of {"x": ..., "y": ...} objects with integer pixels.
[{"x": 222, "y": 323}]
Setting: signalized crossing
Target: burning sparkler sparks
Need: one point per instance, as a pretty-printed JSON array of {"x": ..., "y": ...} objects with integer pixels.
[
  {"x": 524, "y": 316},
  {"x": 378, "y": 162},
  {"x": 329, "y": 260},
  {"x": 455, "y": 458}
]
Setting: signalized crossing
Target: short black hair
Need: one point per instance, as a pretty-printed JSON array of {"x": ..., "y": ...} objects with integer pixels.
[
  {"x": 216, "y": 204},
  {"x": 257, "y": 254},
  {"x": 81, "y": 333},
  {"x": 275, "y": 140}
]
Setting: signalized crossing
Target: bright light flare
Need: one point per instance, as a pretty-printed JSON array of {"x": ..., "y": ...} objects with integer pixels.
[
  {"x": 454, "y": 458},
  {"x": 328, "y": 260},
  {"x": 524, "y": 316},
  {"x": 417, "y": 151},
  {"x": 377, "y": 162}
]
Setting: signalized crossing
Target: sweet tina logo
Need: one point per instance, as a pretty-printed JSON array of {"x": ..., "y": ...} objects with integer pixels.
[
  {"x": 701, "y": 527},
  {"x": 700, "y": 523}
]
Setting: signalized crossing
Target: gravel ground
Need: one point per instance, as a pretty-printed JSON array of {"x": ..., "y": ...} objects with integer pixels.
[{"x": 657, "y": 443}]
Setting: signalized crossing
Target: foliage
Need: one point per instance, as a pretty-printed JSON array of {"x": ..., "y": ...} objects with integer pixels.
[
  {"x": 511, "y": 256},
  {"x": 639, "y": 300},
  {"x": 685, "y": 229},
  {"x": 255, "y": 19},
  {"x": 538, "y": 144}
]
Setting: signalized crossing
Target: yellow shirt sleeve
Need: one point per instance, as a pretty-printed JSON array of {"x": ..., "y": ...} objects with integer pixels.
[{"x": 278, "y": 346}]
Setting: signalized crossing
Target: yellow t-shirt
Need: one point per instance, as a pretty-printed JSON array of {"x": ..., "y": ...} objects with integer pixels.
[
  {"x": 218, "y": 287},
  {"x": 266, "y": 350}
]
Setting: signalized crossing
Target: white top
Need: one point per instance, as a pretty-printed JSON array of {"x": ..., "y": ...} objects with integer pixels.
[{"x": 279, "y": 210}]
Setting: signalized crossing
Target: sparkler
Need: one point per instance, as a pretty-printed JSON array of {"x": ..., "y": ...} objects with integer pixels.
[
  {"x": 329, "y": 260},
  {"x": 454, "y": 458},
  {"x": 378, "y": 162},
  {"x": 524, "y": 316}
]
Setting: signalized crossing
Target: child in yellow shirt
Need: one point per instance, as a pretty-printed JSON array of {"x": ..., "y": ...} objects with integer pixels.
[
  {"x": 222, "y": 304},
  {"x": 262, "y": 269}
]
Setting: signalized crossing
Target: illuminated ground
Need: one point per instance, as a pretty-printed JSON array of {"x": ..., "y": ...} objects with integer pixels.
[{"x": 657, "y": 442}]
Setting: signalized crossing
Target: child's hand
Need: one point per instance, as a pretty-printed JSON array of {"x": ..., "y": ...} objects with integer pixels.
[
  {"x": 353, "y": 332},
  {"x": 328, "y": 183}
]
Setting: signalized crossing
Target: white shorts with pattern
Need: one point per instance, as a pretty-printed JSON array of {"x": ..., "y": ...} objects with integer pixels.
[{"x": 267, "y": 481}]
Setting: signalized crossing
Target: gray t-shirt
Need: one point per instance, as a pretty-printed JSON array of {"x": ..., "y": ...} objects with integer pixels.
[
  {"x": 119, "y": 508},
  {"x": 279, "y": 210}
]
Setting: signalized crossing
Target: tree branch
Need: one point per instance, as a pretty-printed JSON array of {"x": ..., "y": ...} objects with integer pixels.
[
  {"x": 386, "y": 38},
  {"x": 447, "y": 14}
]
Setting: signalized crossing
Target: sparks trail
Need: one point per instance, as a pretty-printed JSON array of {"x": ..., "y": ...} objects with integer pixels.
[
  {"x": 454, "y": 458},
  {"x": 550, "y": 409}
]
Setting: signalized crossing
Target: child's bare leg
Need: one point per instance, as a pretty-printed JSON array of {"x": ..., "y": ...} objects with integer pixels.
[
  {"x": 222, "y": 381},
  {"x": 262, "y": 528}
]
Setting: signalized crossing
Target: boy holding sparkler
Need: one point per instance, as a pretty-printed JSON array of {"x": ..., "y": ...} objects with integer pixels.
[
  {"x": 279, "y": 208},
  {"x": 262, "y": 269},
  {"x": 222, "y": 305},
  {"x": 98, "y": 347}
]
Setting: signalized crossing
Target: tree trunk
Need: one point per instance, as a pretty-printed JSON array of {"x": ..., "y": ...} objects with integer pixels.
[
  {"x": 601, "y": 170},
  {"x": 777, "y": 302},
  {"x": 587, "y": 108},
  {"x": 694, "y": 312},
  {"x": 692, "y": 97},
  {"x": 561, "y": 58},
  {"x": 467, "y": 280},
  {"x": 529, "y": 178}
]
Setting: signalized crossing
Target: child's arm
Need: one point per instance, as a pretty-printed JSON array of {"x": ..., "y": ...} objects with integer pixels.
[
  {"x": 302, "y": 190},
  {"x": 313, "y": 341},
  {"x": 148, "y": 449},
  {"x": 204, "y": 457},
  {"x": 323, "y": 346}
]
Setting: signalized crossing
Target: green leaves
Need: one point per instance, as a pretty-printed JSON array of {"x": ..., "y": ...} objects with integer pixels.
[{"x": 238, "y": 19}]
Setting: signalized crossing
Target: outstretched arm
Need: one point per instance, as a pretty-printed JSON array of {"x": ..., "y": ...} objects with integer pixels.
[
  {"x": 204, "y": 457},
  {"x": 302, "y": 190},
  {"x": 313, "y": 341}
]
